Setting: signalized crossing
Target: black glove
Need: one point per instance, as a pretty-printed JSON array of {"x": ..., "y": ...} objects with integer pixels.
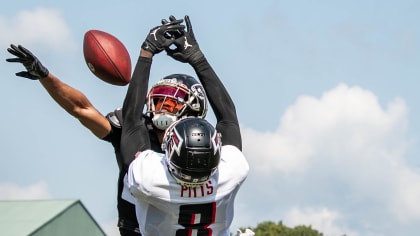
[
  {"x": 162, "y": 36},
  {"x": 173, "y": 34},
  {"x": 34, "y": 69},
  {"x": 187, "y": 49}
]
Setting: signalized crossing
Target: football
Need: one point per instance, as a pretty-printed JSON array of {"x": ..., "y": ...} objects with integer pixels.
[{"x": 107, "y": 57}]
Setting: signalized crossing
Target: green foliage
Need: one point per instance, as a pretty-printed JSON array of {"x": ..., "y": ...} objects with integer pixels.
[{"x": 269, "y": 228}]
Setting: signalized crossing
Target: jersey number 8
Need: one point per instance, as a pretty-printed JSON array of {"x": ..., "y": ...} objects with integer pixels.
[{"x": 196, "y": 217}]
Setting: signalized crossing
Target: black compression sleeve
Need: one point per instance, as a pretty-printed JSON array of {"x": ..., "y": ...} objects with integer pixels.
[
  {"x": 134, "y": 135},
  {"x": 221, "y": 103}
]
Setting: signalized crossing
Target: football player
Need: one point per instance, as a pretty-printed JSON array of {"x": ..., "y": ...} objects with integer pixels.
[{"x": 191, "y": 188}]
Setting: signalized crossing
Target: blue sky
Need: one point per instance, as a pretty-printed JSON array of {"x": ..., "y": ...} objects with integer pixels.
[{"x": 326, "y": 93}]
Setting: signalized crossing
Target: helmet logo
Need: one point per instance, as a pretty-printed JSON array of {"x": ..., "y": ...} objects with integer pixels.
[
  {"x": 217, "y": 143},
  {"x": 176, "y": 142},
  {"x": 198, "y": 90}
]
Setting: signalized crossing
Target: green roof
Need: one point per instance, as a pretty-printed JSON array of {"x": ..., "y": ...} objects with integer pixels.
[{"x": 46, "y": 217}]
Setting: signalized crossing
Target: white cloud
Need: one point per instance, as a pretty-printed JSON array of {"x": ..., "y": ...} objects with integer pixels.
[
  {"x": 321, "y": 219},
  {"x": 406, "y": 195},
  {"x": 12, "y": 191},
  {"x": 343, "y": 120},
  {"x": 342, "y": 151},
  {"x": 41, "y": 26}
]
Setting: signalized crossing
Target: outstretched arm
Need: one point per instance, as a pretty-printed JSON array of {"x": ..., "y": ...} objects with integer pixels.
[
  {"x": 77, "y": 105},
  {"x": 69, "y": 98}
]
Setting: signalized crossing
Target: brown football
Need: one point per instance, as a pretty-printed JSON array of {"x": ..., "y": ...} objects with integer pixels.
[{"x": 107, "y": 57}]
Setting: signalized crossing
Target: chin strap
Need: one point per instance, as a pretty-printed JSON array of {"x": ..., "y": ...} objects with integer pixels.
[{"x": 163, "y": 121}]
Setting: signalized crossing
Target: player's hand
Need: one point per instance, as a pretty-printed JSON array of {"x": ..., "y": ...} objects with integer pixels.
[
  {"x": 161, "y": 36},
  {"x": 187, "y": 49},
  {"x": 174, "y": 34},
  {"x": 34, "y": 69}
]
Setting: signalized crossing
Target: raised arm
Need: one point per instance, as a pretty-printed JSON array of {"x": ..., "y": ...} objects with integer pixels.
[
  {"x": 69, "y": 98},
  {"x": 188, "y": 51},
  {"x": 221, "y": 103},
  {"x": 135, "y": 137}
]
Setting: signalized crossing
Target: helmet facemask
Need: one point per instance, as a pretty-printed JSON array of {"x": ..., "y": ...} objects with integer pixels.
[
  {"x": 166, "y": 103},
  {"x": 173, "y": 98}
]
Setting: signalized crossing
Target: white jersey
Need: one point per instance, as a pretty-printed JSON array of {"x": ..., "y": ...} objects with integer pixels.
[{"x": 166, "y": 208}]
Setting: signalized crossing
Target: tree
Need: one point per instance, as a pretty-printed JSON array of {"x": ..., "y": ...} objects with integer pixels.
[{"x": 269, "y": 228}]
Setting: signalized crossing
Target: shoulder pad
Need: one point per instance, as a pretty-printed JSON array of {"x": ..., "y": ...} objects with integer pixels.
[{"x": 115, "y": 118}]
